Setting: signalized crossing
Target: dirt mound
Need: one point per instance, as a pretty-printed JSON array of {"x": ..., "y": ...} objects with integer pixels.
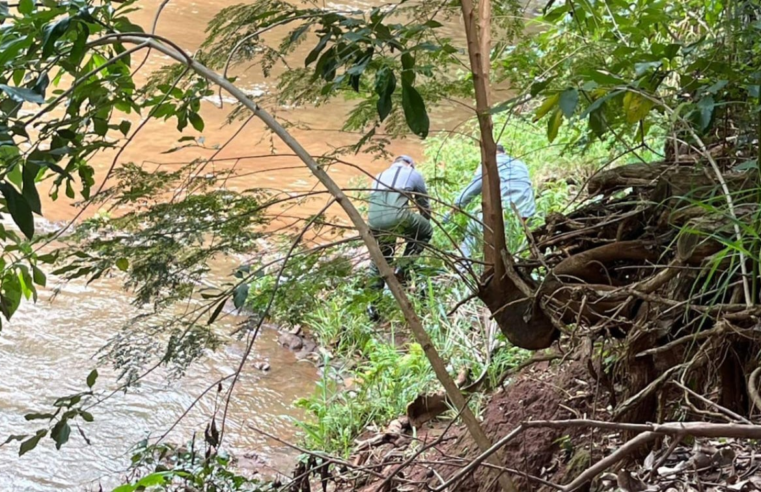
[{"x": 540, "y": 392}]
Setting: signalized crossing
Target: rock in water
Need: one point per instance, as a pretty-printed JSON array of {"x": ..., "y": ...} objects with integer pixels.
[{"x": 292, "y": 342}]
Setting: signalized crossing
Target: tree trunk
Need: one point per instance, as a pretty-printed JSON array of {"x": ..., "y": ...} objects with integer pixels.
[{"x": 523, "y": 324}]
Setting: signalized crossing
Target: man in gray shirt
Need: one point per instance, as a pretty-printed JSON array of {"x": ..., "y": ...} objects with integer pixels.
[
  {"x": 390, "y": 217},
  {"x": 515, "y": 187}
]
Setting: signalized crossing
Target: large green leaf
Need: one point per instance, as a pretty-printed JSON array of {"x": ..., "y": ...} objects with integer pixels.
[
  {"x": 91, "y": 378},
  {"x": 705, "y": 111},
  {"x": 414, "y": 110},
  {"x": 385, "y": 85},
  {"x": 29, "y": 190},
  {"x": 52, "y": 34},
  {"x": 597, "y": 122},
  {"x": 240, "y": 294},
  {"x": 553, "y": 125},
  {"x": 549, "y": 103},
  {"x": 569, "y": 99},
  {"x": 636, "y": 106},
  {"x": 19, "y": 209},
  {"x": 26, "y": 7},
  {"x": 22, "y": 94},
  {"x": 408, "y": 68},
  {"x": 60, "y": 433},
  {"x": 312, "y": 56},
  {"x": 32, "y": 442}
]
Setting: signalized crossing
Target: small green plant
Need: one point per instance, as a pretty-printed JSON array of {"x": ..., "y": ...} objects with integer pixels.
[{"x": 170, "y": 468}]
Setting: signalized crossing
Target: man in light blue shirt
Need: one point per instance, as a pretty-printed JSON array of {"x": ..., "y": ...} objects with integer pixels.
[{"x": 515, "y": 187}]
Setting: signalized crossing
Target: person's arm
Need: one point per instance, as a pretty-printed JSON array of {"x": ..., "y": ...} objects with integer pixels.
[
  {"x": 421, "y": 195},
  {"x": 471, "y": 191}
]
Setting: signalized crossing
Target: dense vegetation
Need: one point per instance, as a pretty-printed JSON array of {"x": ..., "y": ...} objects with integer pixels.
[{"x": 665, "y": 94}]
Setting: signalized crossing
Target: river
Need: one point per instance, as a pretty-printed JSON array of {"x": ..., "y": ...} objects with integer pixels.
[{"x": 49, "y": 347}]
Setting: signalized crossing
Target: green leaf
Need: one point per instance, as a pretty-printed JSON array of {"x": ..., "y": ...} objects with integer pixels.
[
  {"x": 38, "y": 276},
  {"x": 91, "y": 378},
  {"x": 603, "y": 77},
  {"x": 41, "y": 85},
  {"x": 32, "y": 442},
  {"x": 414, "y": 110},
  {"x": 29, "y": 190},
  {"x": 312, "y": 56},
  {"x": 26, "y": 283},
  {"x": 14, "y": 437},
  {"x": 298, "y": 32},
  {"x": 553, "y": 125},
  {"x": 86, "y": 416},
  {"x": 122, "y": 264},
  {"x": 123, "y": 24},
  {"x": 569, "y": 99},
  {"x": 39, "y": 416},
  {"x": 746, "y": 166},
  {"x": 240, "y": 294},
  {"x": 19, "y": 209},
  {"x": 539, "y": 86},
  {"x": 124, "y": 127},
  {"x": 196, "y": 121},
  {"x": 546, "y": 106},
  {"x": 705, "y": 108},
  {"x": 408, "y": 65},
  {"x": 15, "y": 174},
  {"x": 60, "y": 433},
  {"x": 125, "y": 488},
  {"x": 10, "y": 49},
  {"x": 216, "y": 312},
  {"x": 719, "y": 85},
  {"x": 26, "y": 7},
  {"x": 642, "y": 68},
  {"x": 636, "y": 106},
  {"x": 385, "y": 85},
  {"x": 597, "y": 122},
  {"x": 598, "y": 103},
  {"x": 22, "y": 94},
  {"x": 52, "y": 34}
]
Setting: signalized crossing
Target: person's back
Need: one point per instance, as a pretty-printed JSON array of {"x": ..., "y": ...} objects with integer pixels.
[
  {"x": 515, "y": 185},
  {"x": 515, "y": 188},
  {"x": 391, "y": 194},
  {"x": 389, "y": 217}
]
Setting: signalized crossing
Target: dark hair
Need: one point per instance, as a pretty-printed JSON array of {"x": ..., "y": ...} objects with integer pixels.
[{"x": 500, "y": 148}]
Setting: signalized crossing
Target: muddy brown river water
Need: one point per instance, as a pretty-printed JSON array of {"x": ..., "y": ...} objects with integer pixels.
[{"x": 50, "y": 347}]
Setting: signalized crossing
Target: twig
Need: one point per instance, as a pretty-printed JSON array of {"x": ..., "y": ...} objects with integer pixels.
[
  {"x": 695, "y": 429},
  {"x": 613, "y": 458},
  {"x": 423, "y": 449},
  {"x": 753, "y": 387},
  {"x": 717, "y": 330},
  {"x": 634, "y": 400},
  {"x": 718, "y": 407},
  {"x": 462, "y": 303},
  {"x": 322, "y": 456},
  {"x": 480, "y": 459},
  {"x": 674, "y": 443}
]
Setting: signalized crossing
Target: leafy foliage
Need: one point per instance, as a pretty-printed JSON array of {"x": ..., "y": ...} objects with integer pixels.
[
  {"x": 614, "y": 66},
  {"x": 169, "y": 468}
]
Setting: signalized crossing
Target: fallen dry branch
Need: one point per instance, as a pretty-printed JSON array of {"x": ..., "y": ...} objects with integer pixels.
[{"x": 647, "y": 433}]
